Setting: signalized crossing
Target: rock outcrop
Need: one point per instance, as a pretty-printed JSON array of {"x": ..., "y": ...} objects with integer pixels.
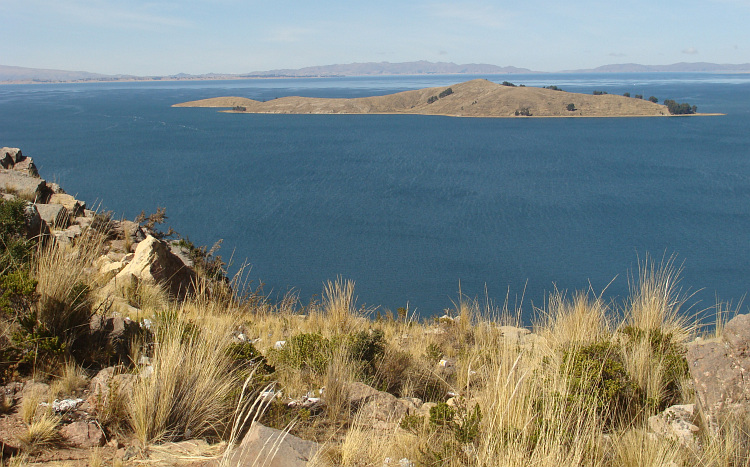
[
  {"x": 719, "y": 368},
  {"x": 271, "y": 448},
  {"x": 155, "y": 263}
]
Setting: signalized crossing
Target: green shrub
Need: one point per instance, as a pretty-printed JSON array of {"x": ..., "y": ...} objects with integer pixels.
[
  {"x": 441, "y": 414},
  {"x": 433, "y": 353},
  {"x": 16, "y": 292},
  {"x": 306, "y": 351},
  {"x": 206, "y": 261},
  {"x": 15, "y": 250},
  {"x": 244, "y": 355},
  {"x": 670, "y": 353},
  {"x": 412, "y": 423},
  {"x": 367, "y": 347},
  {"x": 597, "y": 375}
]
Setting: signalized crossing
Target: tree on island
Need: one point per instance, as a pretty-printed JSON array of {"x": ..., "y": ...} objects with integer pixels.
[
  {"x": 447, "y": 92},
  {"x": 627, "y": 94},
  {"x": 680, "y": 109},
  {"x": 508, "y": 83},
  {"x": 653, "y": 99},
  {"x": 571, "y": 107},
  {"x": 523, "y": 112},
  {"x": 554, "y": 88},
  {"x": 599, "y": 93},
  {"x": 639, "y": 96}
]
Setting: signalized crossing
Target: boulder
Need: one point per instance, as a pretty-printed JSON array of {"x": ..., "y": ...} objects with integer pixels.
[
  {"x": 32, "y": 188},
  {"x": 35, "y": 225},
  {"x": 271, "y": 448},
  {"x": 677, "y": 423},
  {"x": 718, "y": 368},
  {"x": 9, "y": 157},
  {"x": 115, "y": 334},
  {"x": 107, "y": 380},
  {"x": 83, "y": 434},
  {"x": 13, "y": 159},
  {"x": 153, "y": 262},
  {"x": 378, "y": 409},
  {"x": 55, "y": 215},
  {"x": 131, "y": 230},
  {"x": 74, "y": 207}
]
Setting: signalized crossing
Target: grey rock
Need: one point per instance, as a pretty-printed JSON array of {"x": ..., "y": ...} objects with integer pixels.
[
  {"x": 55, "y": 215},
  {"x": 12, "y": 181},
  {"x": 677, "y": 423},
  {"x": 83, "y": 434},
  {"x": 35, "y": 225},
  {"x": 153, "y": 262},
  {"x": 115, "y": 334},
  {"x": 718, "y": 368},
  {"x": 9, "y": 157},
  {"x": 106, "y": 381},
  {"x": 271, "y": 448},
  {"x": 75, "y": 208}
]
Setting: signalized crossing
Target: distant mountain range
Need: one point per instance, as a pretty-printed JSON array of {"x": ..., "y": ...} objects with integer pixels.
[
  {"x": 682, "y": 67},
  {"x": 29, "y": 75},
  {"x": 386, "y": 68}
]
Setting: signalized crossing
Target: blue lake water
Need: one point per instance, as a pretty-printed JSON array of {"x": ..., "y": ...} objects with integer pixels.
[{"x": 414, "y": 207}]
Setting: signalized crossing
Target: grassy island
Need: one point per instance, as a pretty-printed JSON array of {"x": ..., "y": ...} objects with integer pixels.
[{"x": 476, "y": 98}]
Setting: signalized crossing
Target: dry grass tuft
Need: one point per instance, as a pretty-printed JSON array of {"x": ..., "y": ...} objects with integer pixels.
[
  {"x": 656, "y": 300},
  {"x": 40, "y": 433},
  {"x": 72, "y": 380},
  {"x": 582, "y": 320},
  {"x": 190, "y": 393}
]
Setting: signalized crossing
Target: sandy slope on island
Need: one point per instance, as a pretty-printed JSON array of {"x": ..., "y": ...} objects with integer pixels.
[{"x": 476, "y": 98}]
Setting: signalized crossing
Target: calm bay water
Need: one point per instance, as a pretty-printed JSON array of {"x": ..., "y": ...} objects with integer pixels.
[{"x": 412, "y": 206}]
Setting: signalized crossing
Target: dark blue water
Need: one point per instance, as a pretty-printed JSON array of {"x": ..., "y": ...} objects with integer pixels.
[{"x": 412, "y": 207}]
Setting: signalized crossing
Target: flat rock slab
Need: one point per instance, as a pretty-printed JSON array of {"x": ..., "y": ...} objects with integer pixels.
[
  {"x": 12, "y": 181},
  {"x": 55, "y": 215},
  {"x": 270, "y": 448}
]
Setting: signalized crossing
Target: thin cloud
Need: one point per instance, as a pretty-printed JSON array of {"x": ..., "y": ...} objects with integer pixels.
[
  {"x": 617, "y": 54},
  {"x": 486, "y": 16},
  {"x": 289, "y": 35},
  {"x": 97, "y": 12},
  {"x": 690, "y": 51}
]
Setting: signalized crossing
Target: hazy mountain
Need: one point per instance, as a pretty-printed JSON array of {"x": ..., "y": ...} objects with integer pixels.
[
  {"x": 386, "y": 68},
  {"x": 681, "y": 67},
  {"x": 17, "y": 73},
  {"x": 21, "y": 74}
]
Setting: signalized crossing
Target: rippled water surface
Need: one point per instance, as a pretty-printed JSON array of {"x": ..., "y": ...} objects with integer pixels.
[{"x": 414, "y": 207}]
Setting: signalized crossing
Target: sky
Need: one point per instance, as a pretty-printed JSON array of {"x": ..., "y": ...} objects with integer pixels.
[{"x": 155, "y": 37}]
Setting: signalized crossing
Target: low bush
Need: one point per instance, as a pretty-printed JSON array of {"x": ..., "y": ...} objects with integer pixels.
[{"x": 597, "y": 376}]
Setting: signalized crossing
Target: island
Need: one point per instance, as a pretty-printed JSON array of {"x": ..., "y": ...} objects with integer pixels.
[{"x": 475, "y": 98}]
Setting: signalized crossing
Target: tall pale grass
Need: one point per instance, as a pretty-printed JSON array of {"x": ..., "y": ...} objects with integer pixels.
[
  {"x": 582, "y": 320},
  {"x": 655, "y": 300},
  {"x": 191, "y": 391},
  {"x": 64, "y": 276}
]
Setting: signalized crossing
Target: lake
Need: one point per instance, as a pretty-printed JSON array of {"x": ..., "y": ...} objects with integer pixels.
[{"x": 415, "y": 208}]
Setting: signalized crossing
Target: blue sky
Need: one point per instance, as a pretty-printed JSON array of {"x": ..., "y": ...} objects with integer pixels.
[{"x": 232, "y": 36}]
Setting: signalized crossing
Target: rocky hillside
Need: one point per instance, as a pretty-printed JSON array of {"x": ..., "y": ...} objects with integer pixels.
[{"x": 476, "y": 98}]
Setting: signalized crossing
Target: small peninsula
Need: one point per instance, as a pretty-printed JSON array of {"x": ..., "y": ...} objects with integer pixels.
[{"x": 475, "y": 98}]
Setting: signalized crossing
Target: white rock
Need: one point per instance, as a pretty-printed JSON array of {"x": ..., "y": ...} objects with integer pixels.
[{"x": 279, "y": 345}]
